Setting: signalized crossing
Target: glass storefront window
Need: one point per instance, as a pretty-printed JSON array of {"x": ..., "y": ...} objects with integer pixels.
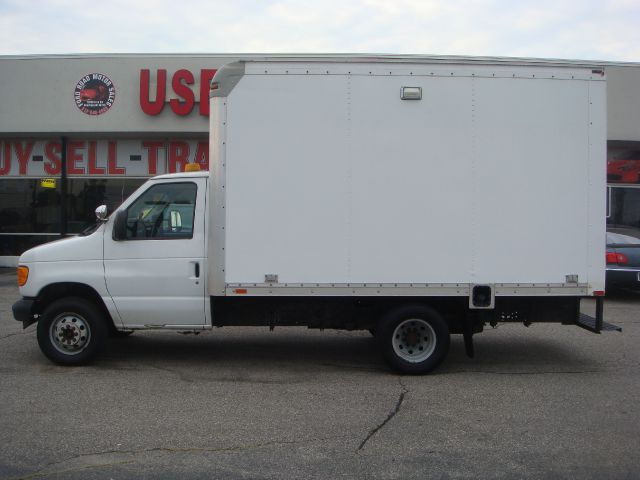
[
  {"x": 30, "y": 209},
  {"x": 26, "y": 206},
  {"x": 624, "y": 207},
  {"x": 85, "y": 194}
]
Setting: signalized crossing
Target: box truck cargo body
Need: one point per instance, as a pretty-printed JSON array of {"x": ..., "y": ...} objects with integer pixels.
[
  {"x": 330, "y": 179},
  {"x": 414, "y": 198}
]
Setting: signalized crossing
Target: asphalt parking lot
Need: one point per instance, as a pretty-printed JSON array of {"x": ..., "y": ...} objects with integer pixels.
[{"x": 547, "y": 401}]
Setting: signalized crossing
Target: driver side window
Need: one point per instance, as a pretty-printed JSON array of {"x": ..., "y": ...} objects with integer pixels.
[{"x": 165, "y": 211}]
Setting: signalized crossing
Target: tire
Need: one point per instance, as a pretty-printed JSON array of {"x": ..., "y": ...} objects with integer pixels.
[
  {"x": 413, "y": 339},
  {"x": 72, "y": 331}
]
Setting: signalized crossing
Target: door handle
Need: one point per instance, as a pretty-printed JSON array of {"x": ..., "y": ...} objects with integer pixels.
[{"x": 197, "y": 269}]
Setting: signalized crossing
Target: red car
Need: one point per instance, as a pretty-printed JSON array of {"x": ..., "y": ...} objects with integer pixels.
[
  {"x": 99, "y": 93},
  {"x": 623, "y": 166}
]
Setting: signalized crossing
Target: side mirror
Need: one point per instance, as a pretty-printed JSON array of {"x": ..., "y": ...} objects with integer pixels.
[
  {"x": 120, "y": 225},
  {"x": 101, "y": 213}
]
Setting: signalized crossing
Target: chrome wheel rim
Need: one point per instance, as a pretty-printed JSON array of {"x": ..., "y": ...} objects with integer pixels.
[
  {"x": 414, "y": 340},
  {"x": 70, "y": 333}
]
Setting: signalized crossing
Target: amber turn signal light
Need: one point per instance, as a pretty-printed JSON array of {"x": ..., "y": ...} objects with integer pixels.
[{"x": 23, "y": 274}]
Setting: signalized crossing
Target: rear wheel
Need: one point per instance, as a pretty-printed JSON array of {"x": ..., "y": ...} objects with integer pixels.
[
  {"x": 413, "y": 339},
  {"x": 71, "y": 331}
]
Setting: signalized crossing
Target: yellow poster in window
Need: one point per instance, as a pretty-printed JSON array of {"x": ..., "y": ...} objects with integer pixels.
[{"x": 48, "y": 183}]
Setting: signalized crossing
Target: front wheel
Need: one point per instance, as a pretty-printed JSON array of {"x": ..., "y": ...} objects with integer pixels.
[
  {"x": 71, "y": 331},
  {"x": 413, "y": 339}
]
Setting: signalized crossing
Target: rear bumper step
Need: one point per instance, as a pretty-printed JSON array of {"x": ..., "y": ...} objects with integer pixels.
[
  {"x": 596, "y": 324},
  {"x": 589, "y": 323}
]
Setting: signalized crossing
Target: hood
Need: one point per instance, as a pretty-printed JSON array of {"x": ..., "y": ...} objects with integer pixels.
[{"x": 67, "y": 249}]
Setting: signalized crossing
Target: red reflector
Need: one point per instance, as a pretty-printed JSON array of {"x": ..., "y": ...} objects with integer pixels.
[
  {"x": 598, "y": 293},
  {"x": 614, "y": 258},
  {"x": 240, "y": 291}
]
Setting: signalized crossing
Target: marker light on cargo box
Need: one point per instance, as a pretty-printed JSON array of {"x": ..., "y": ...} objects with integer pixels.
[
  {"x": 411, "y": 93},
  {"x": 192, "y": 167}
]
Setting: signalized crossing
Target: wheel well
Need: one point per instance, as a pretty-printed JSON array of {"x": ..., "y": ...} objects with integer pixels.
[
  {"x": 453, "y": 310},
  {"x": 55, "y": 291}
]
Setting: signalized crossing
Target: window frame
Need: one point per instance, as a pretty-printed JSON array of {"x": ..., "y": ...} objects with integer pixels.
[{"x": 171, "y": 236}]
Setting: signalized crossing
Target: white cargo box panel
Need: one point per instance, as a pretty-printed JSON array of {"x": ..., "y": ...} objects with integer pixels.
[{"x": 329, "y": 182}]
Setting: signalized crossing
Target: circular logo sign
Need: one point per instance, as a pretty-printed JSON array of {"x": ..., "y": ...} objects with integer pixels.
[{"x": 94, "y": 94}]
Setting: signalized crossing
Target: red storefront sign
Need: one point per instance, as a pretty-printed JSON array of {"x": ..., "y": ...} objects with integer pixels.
[
  {"x": 152, "y": 103},
  {"x": 34, "y": 158}
]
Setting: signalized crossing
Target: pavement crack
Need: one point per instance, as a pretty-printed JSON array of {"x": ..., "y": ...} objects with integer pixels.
[
  {"x": 131, "y": 456},
  {"x": 13, "y": 335},
  {"x": 392, "y": 414},
  {"x": 42, "y": 473}
]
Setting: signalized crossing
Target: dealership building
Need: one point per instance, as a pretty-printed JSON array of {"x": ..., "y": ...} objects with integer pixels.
[{"x": 78, "y": 131}]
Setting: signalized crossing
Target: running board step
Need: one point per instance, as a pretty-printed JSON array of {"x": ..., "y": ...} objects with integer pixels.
[{"x": 589, "y": 323}]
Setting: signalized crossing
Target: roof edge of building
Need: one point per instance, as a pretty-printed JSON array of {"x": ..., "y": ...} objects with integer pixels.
[{"x": 357, "y": 57}]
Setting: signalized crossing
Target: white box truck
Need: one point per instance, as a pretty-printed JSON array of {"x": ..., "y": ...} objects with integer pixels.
[{"x": 411, "y": 197}]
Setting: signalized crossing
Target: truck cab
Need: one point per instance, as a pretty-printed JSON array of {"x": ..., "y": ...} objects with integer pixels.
[{"x": 141, "y": 267}]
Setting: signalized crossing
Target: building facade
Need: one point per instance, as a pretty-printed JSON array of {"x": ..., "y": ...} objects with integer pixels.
[{"x": 77, "y": 131}]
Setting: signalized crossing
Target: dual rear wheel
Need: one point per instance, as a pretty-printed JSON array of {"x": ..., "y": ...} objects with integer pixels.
[{"x": 413, "y": 339}]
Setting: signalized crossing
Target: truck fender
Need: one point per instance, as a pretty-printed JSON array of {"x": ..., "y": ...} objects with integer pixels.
[{"x": 55, "y": 291}]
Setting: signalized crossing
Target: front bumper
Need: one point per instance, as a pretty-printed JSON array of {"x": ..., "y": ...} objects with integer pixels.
[{"x": 23, "y": 311}]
